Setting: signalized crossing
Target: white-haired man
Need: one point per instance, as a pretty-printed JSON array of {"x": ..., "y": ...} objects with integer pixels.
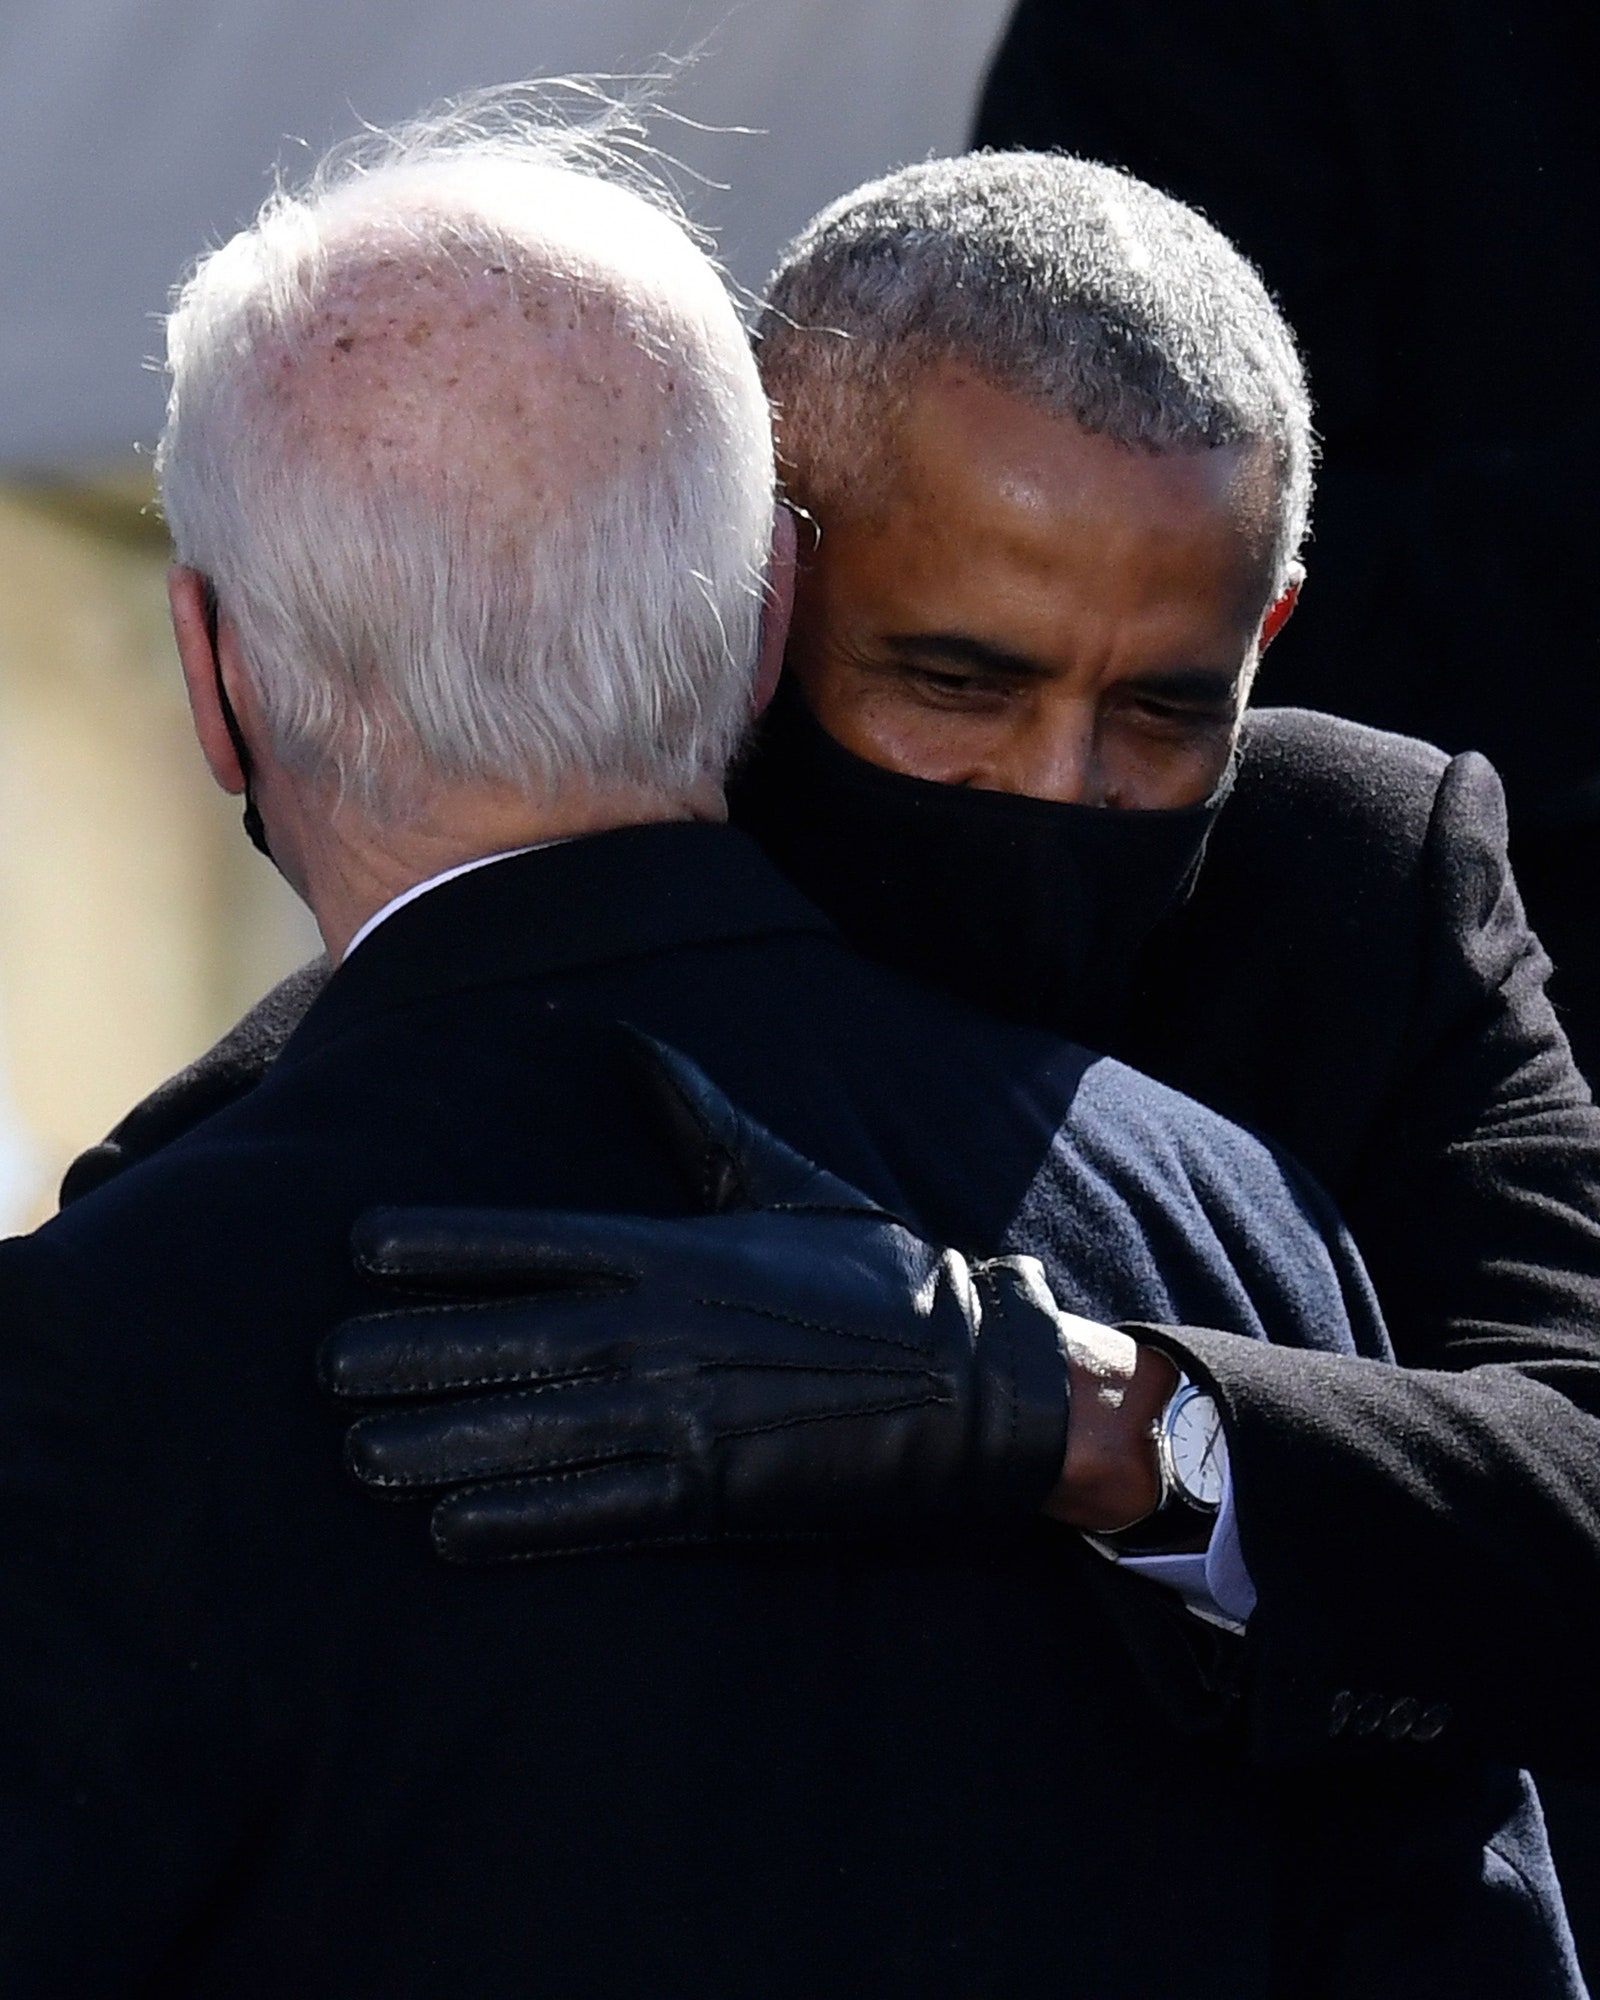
[{"x": 470, "y": 478}]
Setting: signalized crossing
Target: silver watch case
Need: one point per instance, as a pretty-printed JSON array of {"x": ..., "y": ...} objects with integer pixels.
[{"x": 1191, "y": 1449}]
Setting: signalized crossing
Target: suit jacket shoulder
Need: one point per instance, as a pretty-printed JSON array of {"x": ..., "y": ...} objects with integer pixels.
[
  {"x": 226, "y": 1072},
  {"x": 1298, "y": 764},
  {"x": 1355, "y": 919}
]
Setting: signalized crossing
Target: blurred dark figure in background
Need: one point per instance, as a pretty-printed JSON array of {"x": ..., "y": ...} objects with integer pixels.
[{"x": 1420, "y": 186}]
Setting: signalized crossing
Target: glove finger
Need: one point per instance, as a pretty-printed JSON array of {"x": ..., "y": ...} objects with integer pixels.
[
  {"x": 730, "y": 1159},
  {"x": 496, "y": 1250},
  {"x": 587, "y": 1512},
  {"x": 550, "y": 1430},
  {"x": 442, "y": 1350},
  {"x": 494, "y": 1253},
  {"x": 821, "y": 1272}
]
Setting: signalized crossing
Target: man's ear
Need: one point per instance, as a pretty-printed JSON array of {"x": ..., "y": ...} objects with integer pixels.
[
  {"x": 1278, "y": 611},
  {"x": 186, "y": 593},
  {"x": 775, "y": 609}
]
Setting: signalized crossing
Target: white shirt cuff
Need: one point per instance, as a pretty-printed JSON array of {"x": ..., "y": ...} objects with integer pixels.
[{"x": 1212, "y": 1581}]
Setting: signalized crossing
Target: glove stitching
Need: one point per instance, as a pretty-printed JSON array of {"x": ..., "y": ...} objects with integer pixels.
[
  {"x": 497, "y": 1472},
  {"x": 814, "y": 1325},
  {"x": 755, "y": 1366},
  {"x": 504, "y": 1472},
  {"x": 869, "y": 1213},
  {"x": 533, "y": 1383},
  {"x": 833, "y": 1416},
  {"x": 562, "y": 1277}
]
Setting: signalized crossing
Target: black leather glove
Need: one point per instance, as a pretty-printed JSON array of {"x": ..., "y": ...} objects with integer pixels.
[{"x": 795, "y": 1363}]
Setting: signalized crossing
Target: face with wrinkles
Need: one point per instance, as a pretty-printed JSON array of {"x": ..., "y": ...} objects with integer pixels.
[{"x": 1022, "y": 606}]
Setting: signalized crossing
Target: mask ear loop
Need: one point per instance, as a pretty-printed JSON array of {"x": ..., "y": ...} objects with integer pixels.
[{"x": 253, "y": 826}]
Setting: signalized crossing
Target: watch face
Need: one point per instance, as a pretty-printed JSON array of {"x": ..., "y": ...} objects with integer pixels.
[{"x": 1197, "y": 1448}]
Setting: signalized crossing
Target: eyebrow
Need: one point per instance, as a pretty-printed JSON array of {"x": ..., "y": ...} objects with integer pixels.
[{"x": 1194, "y": 684}]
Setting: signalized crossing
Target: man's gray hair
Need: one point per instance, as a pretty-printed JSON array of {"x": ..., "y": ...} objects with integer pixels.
[
  {"x": 1069, "y": 282},
  {"x": 426, "y": 594}
]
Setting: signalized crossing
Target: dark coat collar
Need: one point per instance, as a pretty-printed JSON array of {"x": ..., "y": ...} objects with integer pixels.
[{"x": 586, "y": 902}]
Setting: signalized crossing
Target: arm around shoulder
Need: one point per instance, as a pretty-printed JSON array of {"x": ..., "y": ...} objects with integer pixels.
[{"x": 1425, "y": 1539}]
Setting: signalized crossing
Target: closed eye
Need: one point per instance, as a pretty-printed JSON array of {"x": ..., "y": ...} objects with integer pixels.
[
  {"x": 948, "y": 668},
  {"x": 1200, "y": 696},
  {"x": 940, "y": 681}
]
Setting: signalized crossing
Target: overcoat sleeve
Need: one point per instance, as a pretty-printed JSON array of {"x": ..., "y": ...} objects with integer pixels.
[{"x": 1425, "y": 1540}]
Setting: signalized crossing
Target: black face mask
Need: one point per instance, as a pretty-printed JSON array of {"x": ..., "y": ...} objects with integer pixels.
[
  {"x": 1026, "y": 907},
  {"x": 254, "y": 829}
]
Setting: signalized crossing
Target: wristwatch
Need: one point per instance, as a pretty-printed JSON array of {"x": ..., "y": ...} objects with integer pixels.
[{"x": 1192, "y": 1465}]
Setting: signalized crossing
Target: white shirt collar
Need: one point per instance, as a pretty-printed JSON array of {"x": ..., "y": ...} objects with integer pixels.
[{"x": 433, "y": 882}]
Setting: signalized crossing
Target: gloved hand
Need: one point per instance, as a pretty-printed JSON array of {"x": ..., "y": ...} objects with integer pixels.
[{"x": 795, "y": 1363}]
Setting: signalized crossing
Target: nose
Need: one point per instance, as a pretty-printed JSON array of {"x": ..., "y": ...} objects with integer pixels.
[{"x": 1056, "y": 757}]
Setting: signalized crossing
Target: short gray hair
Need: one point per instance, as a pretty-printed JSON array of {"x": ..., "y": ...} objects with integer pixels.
[
  {"x": 1069, "y": 282},
  {"x": 404, "y": 623}
]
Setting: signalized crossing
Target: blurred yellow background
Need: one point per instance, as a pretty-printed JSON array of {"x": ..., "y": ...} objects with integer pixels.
[{"x": 136, "y": 922}]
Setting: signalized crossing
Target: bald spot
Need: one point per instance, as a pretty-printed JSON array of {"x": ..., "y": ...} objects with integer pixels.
[{"x": 458, "y": 377}]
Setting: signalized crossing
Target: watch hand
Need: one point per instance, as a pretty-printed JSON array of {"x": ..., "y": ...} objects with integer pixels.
[{"x": 1208, "y": 1456}]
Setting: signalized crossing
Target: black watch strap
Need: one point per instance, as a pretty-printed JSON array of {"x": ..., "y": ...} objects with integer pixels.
[{"x": 1175, "y": 1526}]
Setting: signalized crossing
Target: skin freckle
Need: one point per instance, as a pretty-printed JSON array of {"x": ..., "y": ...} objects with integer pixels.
[{"x": 564, "y": 392}]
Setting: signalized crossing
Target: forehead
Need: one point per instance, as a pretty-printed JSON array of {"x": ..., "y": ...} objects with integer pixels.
[{"x": 991, "y": 479}]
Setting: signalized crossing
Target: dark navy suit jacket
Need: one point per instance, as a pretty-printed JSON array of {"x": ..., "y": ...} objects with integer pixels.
[{"x": 256, "y": 1739}]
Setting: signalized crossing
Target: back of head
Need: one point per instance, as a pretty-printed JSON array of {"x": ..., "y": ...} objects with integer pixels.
[
  {"x": 1069, "y": 282},
  {"x": 466, "y": 436}
]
